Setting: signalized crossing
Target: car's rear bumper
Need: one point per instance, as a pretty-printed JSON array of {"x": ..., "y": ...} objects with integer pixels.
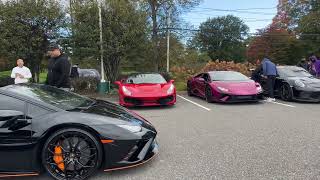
[{"x": 148, "y": 101}]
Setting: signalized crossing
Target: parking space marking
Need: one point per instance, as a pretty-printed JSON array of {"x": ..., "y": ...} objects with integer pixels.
[
  {"x": 194, "y": 103},
  {"x": 288, "y": 105}
]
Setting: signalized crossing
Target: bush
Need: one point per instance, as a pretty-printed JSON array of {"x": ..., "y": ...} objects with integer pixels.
[
  {"x": 85, "y": 84},
  {"x": 181, "y": 86},
  {"x": 217, "y": 65},
  {"x": 182, "y": 74}
]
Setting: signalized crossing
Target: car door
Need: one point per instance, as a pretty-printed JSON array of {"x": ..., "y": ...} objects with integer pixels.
[
  {"x": 203, "y": 84},
  {"x": 198, "y": 81},
  {"x": 15, "y": 136}
]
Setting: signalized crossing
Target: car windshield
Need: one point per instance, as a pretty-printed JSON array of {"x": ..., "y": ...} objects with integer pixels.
[
  {"x": 227, "y": 76},
  {"x": 54, "y": 96},
  {"x": 145, "y": 79},
  {"x": 293, "y": 72}
]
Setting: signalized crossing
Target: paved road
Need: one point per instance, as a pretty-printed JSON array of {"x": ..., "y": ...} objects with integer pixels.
[{"x": 220, "y": 141}]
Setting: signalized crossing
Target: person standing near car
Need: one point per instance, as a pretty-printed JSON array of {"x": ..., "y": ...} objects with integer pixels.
[
  {"x": 270, "y": 73},
  {"x": 315, "y": 65},
  {"x": 21, "y": 74},
  {"x": 58, "y": 69}
]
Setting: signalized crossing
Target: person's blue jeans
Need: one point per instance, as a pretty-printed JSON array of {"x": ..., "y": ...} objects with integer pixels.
[{"x": 271, "y": 80}]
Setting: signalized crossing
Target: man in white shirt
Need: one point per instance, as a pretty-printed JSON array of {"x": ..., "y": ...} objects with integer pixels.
[{"x": 21, "y": 74}]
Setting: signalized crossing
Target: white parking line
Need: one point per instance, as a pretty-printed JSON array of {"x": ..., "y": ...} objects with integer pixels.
[
  {"x": 194, "y": 103},
  {"x": 288, "y": 105}
]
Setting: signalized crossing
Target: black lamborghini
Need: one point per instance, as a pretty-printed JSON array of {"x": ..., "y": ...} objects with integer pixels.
[
  {"x": 295, "y": 83},
  {"x": 67, "y": 135}
]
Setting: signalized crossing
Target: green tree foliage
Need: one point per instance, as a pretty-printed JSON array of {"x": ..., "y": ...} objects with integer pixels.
[
  {"x": 26, "y": 28},
  {"x": 158, "y": 11},
  {"x": 280, "y": 45},
  {"x": 305, "y": 22},
  {"x": 223, "y": 38},
  {"x": 124, "y": 32}
]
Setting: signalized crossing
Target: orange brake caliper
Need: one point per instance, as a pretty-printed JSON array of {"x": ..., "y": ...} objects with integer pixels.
[{"x": 58, "y": 158}]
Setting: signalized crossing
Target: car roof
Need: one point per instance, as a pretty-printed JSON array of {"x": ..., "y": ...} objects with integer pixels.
[
  {"x": 289, "y": 67},
  {"x": 6, "y": 91},
  {"x": 144, "y": 73},
  {"x": 210, "y": 72}
]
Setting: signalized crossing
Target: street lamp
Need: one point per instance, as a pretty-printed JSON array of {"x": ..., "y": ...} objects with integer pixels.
[
  {"x": 103, "y": 86},
  {"x": 101, "y": 42}
]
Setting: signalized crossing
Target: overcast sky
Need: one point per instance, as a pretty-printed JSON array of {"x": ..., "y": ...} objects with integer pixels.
[{"x": 254, "y": 18}]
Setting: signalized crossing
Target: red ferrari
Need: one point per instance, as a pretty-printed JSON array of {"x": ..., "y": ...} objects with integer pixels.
[
  {"x": 147, "y": 89},
  {"x": 224, "y": 86}
]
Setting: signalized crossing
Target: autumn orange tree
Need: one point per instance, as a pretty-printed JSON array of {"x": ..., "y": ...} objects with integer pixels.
[{"x": 277, "y": 41}]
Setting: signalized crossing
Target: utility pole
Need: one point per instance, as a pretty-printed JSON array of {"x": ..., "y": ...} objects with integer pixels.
[
  {"x": 168, "y": 39},
  {"x": 101, "y": 42}
]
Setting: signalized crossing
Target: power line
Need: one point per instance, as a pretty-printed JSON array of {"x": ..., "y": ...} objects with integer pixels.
[
  {"x": 244, "y": 19},
  {"x": 245, "y": 9},
  {"x": 236, "y": 11},
  {"x": 254, "y": 34}
]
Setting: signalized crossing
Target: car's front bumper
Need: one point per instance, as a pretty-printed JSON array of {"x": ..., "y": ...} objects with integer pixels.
[
  {"x": 306, "y": 96},
  {"x": 231, "y": 98},
  {"x": 131, "y": 155},
  {"x": 148, "y": 101}
]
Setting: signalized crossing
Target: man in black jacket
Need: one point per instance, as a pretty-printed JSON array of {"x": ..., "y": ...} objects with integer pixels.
[{"x": 58, "y": 69}]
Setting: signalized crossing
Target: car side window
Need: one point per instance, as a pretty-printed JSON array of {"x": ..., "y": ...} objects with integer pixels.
[
  {"x": 206, "y": 77},
  {"x": 10, "y": 103},
  {"x": 35, "y": 111}
]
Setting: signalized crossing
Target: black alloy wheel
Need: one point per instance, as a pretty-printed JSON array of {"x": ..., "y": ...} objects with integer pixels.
[
  {"x": 208, "y": 93},
  {"x": 71, "y": 154},
  {"x": 189, "y": 90},
  {"x": 286, "y": 92}
]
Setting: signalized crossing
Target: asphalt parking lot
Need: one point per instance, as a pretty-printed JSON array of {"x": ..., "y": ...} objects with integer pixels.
[{"x": 230, "y": 141}]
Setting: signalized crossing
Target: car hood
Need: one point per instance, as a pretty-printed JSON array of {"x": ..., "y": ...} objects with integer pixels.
[
  {"x": 118, "y": 113},
  {"x": 237, "y": 87},
  {"x": 309, "y": 81},
  {"x": 148, "y": 90}
]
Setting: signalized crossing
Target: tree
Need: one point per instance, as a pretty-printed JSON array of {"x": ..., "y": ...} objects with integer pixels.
[
  {"x": 279, "y": 44},
  {"x": 158, "y": 11},
  {"x": 27, "y": 27},
  {"x": 309, "y": 31},
  {"x": 124, "y": 32},
  {"x": 223, "y": 38}
]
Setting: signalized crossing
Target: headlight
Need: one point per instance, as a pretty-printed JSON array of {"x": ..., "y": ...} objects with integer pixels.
[
  {"x": 171, "y": 89},
  {"x": 259, "y": 88},
  {"x": 299, "y": 83},
  {"x": 223, "y": 89},
  {"x": 126, "y": 91},
  {"x": 131, "y": 128}
]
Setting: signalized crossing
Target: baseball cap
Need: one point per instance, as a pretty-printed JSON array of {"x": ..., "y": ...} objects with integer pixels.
[{"x": 53, "y": 47}]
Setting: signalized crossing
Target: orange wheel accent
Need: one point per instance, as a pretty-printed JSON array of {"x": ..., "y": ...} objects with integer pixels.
[{"x": 58, "y": 158}]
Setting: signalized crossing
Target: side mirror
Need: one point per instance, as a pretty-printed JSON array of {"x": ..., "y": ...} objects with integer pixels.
[
  {"x": 117, "y": 83},
  {"x": 201, "y": 79},
  {"x": 171, "y": 81}
]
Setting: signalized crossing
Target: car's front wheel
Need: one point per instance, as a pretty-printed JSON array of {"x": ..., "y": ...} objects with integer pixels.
[
  {"x": 209, "y": 95},
  {"x": 189, "y": 90},
  {"x": 286, "y": 92},
  {"x": 72, "y": 154}
]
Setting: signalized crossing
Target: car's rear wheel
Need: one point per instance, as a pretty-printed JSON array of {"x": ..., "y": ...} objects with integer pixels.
[
  {"x": 189, "y": 90},
  {"x": 71, "y": 153},
  {"x": 286, "y": 92},
  {"x": 208, "y": 93}
]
